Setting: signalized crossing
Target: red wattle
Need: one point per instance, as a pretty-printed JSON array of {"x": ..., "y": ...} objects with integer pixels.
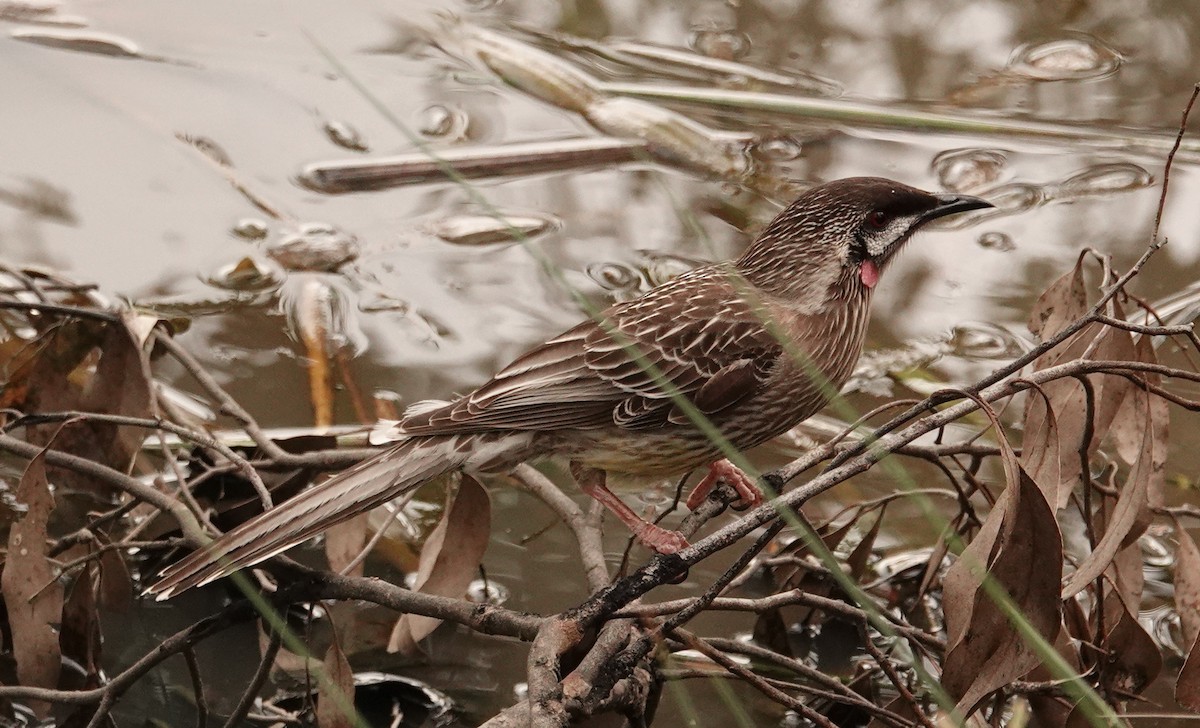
[{"x": 869, "y": 273}]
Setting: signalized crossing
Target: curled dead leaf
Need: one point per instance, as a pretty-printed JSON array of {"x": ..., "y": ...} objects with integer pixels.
[
  {"x": 449, "y": 559},
  {"x": 1140, "y": 490},
  {"x": 343, "y": 544},
  {"x": 32, "y": 594},
  {"x": 1132, "y": 659},
  {"x": 1187, "y": 685},
  {"x": 1019, "y": 549},
  {"x": 1187, "y": 583},
  {"x": 335, "y": 696}
]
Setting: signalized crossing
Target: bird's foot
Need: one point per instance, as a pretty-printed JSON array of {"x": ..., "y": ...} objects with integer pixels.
[
  {"x": 723, "y": 471},
  {"x": 652, "y": 536},
  {"x": 657, "y": 538}
]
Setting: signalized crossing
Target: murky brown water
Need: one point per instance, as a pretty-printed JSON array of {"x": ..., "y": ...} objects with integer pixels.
[{"x": 95, "y": 180}]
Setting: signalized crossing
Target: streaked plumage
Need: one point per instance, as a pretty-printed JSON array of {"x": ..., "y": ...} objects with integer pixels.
[{"x": 585, "y": 396}]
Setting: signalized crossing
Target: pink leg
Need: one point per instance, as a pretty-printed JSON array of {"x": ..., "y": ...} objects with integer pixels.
[
  {"x": 655, "y": 538},
  {"x": 725, "y": 471}
]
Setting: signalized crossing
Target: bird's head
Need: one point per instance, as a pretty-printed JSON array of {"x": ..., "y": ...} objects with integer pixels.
[{"x": 836, "y": 239}]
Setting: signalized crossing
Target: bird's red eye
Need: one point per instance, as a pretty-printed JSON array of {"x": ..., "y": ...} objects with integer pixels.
[{"x": 877, "y": 219}]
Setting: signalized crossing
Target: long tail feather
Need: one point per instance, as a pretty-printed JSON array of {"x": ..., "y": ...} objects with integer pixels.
[{"x": 365, "y": 486}]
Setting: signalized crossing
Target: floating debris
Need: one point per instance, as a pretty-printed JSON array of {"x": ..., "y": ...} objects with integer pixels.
[
  {"x": 538, "y": 73},
  {"x": 345, "y": 136},
  {"x": 42, "y": 13},
  {"x": 42, "y": 199},
  {"x": 673, "y": 62},
  {"x": 251, "y": 228},
  {"x": 209, "y": 148},
  {"x": 248, "y": 274},
  {"x": 315, "y": 247},
  {"x": 357, "y": 175},
  {"x": 82, "y": 41},
  {"x": 672, "y": 137},
  {"x": 489, "y": 229}
]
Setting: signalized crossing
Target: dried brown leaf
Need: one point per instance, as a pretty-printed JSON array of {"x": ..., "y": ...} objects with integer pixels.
[
  {"x": 1048, "y": 709},
  {"x": 1141, "y": 489},
  {"x": 79, "y": 636},
  {"x": 1129, "y": 423},
  {"x": 119, "y": 384},
  {"x": 32, "y": 593},
  {"x": 449, "y": 559},
  {"x": 771, "y": 631},
  {"x": 344, "y": 542},
  {"x": 1061, "y": 303},
  {"x": 960, "y": 583},
  {"x": 1132, "y": 659},
  {"x": 335, "y": 697},
  {"x": 1187, "y": 583},
  {"x": 116, "y": 585},
  {"x": 1126, "y": 575},
  {"x": 793, "y": 574},
  {"x": 47, "y": 360},
  {"x": 900, "y": 707},
  {"x": 1187, "y": 685},
  {"x": 1055, "y": 421},
  {"x": 1041, "y": 448},
  {"x": 1021, "y": 549},
  {"x": 858, "y": 558}
]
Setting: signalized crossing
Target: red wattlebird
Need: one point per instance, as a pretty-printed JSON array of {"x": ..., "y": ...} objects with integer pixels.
[{"x": 755, "y": 346}]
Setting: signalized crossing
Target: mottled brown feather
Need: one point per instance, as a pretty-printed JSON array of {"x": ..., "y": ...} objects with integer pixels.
[{"x": 693, "y": 332}]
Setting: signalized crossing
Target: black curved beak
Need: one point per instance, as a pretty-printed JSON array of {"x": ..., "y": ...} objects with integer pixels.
[{"x": 954, "y": 204}]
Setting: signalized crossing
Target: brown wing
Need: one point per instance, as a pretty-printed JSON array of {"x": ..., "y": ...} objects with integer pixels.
[{"x": 695, "y": 332}]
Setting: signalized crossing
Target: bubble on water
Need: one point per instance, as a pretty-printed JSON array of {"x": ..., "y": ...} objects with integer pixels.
[
  {"x": 1073, "y": 58},
  {"x": 1165, "y": 626},
  {"x": 960, "y": 170},
  {"x": 487, "y": 592},
  {"x": 1016, "y": 196},
  {"x": 613, "y": 276},
  {"x": 488, "y": 229},
  {"x": 776, "y": 149},
  {"x": 440, "y": 121},
  {"x": 1105, "y": 179},
  {"x": 658, "y": 267},
  {"x": 980, "y": 340},
  {"x": 998, "y": 241},
  {"x": 729, "y": 45},
  {"x": 248, "y": 274},
  {"x": 314, "y": 246}
]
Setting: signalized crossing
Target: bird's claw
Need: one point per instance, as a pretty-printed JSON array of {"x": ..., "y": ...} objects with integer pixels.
[
  {"x": 659, "y": 539},
  {"x": 723, "y": 471}
]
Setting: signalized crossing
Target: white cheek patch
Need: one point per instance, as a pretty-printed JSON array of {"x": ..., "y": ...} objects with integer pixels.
[{"x": 880, "y": 242}]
